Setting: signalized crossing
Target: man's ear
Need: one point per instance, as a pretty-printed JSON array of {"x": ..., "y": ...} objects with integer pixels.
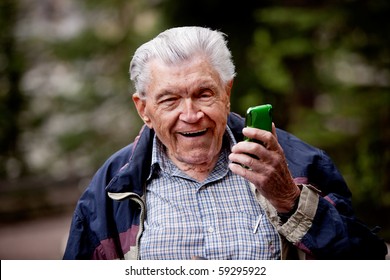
[
  {"x": 229, "y": 86},
  {"x": 140, "y": 105}
]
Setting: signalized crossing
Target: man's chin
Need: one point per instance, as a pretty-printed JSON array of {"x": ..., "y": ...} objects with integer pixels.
[{"x": 192, "y": 158}]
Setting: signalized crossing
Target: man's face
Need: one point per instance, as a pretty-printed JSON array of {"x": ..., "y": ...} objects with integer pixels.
[{"x": 187, "y": 105}]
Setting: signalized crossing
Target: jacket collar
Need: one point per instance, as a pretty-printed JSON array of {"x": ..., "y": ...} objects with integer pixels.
[{"x": 132, "y": 177}]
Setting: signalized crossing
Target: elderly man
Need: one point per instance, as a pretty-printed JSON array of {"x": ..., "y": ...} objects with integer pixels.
[{"x": 181, "y": 190}]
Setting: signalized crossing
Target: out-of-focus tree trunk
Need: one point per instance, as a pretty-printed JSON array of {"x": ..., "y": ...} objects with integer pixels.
[{"x": 11, "y": 97}]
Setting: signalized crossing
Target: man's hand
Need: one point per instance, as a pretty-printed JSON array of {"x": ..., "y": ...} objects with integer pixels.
[{"x": 267, "y": 170}]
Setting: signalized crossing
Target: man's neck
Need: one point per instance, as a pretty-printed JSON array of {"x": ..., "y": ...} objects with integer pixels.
[{"x": 199, "y": 172}]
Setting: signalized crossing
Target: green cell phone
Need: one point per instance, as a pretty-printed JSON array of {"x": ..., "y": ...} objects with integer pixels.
[{"x": 259, "y": 117}]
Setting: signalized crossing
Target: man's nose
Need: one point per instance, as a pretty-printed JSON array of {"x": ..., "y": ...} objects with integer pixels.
[{"x": 190, "y": 113}]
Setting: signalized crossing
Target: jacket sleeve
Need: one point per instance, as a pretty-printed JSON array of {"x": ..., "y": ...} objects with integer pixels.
[
  {"x": 103, "y": 228},
  {"x": 90, "y": 224},
  {"x": 324, "y": 225},
  {"x": 91, "y": 227},
  {"x": 81, "y": 242}
]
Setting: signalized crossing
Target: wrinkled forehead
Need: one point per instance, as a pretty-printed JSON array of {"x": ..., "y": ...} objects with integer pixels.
[
  {"x": 189, "y": 72},
  {"x": 196, "y": 58}
]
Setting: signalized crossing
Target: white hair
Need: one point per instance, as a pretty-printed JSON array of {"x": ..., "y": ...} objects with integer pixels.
[{"x": 178, "y": 44}]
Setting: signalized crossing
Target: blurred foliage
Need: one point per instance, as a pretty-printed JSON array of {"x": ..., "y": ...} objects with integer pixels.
[
  {"x": 11, "y": 97},
  {"x": 68, "y": 107},
  {"x": 325, "y": 66}
]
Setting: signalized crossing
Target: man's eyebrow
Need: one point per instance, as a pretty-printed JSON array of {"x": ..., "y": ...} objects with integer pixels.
[
  {"x": 174, "y": 91},
  {"x": 163, "y": 93},
  {"x": 207, "y": 85}
]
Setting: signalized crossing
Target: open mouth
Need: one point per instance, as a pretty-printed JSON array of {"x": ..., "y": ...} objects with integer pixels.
[{"x": 194, "y": 133}]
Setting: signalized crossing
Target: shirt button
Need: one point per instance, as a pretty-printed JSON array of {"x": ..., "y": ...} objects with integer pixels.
[{"x": 210, "y": 229}]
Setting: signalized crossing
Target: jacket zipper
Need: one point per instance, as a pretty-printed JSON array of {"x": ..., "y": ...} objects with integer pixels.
[
  {"x": 141, "y": 203},
  {"x": 136, "y": 198}
]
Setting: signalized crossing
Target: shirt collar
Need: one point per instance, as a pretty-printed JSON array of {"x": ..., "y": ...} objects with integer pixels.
[{"x": 160, "y": 160}]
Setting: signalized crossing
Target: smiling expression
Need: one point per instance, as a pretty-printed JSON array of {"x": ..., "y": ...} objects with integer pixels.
[{"x": 187, "y": 106}]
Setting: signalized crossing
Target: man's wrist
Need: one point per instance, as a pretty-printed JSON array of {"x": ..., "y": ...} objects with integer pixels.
[{"x": 285, "y": 216}]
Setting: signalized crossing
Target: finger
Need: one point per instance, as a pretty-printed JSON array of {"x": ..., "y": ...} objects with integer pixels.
[
  {"x": 255, "y": 177},
  {"x": 248, "y": 147},
  {"x": 244, "y": 160},
  {"x": 263, "y": 137},
  {"x": 274, "y": 130},
  {"x": 248, "y": 161},
  {"x": 254, "y": 150},
  {"x": 241, "y": 171}
]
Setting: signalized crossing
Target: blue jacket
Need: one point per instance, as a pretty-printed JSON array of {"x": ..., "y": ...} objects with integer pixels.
[{"x": 108, "y": 219}]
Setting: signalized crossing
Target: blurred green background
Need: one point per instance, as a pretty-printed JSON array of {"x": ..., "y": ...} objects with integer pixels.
[{"x": 65, "y": 94}]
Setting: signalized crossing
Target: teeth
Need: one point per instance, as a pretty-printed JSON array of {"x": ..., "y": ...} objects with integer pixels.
[{"x": 195, "y": 133}]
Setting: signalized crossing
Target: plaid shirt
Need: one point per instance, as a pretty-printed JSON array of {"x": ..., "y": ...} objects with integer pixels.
[{"x": 218, "y": 218}]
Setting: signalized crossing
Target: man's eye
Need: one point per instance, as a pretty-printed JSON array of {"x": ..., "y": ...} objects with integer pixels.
[
  {"x": 168, "y": 101},
  {"x": 206, "y": 94}
]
